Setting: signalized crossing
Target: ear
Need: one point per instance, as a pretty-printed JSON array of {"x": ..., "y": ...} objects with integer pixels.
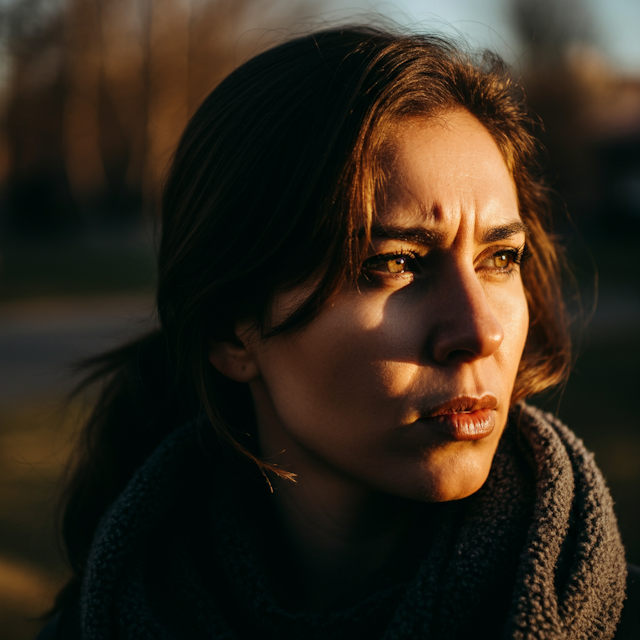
[{"x": 233, "y": 360}]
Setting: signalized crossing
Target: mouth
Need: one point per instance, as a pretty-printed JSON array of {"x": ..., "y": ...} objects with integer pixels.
[{"x": 463, "y": 418}]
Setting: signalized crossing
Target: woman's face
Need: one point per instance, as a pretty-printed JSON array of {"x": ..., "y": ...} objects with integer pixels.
[{"x": 402, "y": 385}]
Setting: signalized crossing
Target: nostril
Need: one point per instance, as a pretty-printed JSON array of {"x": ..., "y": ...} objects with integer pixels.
[
  {"x": 461, "y": 355},
  {"x": 465, "y": 341}
]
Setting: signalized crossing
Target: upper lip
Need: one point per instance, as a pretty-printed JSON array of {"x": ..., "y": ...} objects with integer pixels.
[{"x": 461, "y": 404}]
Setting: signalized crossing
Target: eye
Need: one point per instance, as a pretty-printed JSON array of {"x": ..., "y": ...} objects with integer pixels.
[
  {"x": 391, "y": 263},
  {"x": 504, "y": 260}
]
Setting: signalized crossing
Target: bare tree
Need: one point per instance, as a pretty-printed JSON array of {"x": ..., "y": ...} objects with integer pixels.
[
  {"x": 122, "y": 78},
  {"x": 553, "y": 34},
  {"x": 549, "y": 29}
]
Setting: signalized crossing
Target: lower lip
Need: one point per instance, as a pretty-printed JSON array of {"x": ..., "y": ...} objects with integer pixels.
[{"x": 473, "y": 425}]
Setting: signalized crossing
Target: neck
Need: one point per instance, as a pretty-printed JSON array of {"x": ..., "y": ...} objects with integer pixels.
[
  {"x": 338, "y": 543},
  {"x": 338, "y": 532}
]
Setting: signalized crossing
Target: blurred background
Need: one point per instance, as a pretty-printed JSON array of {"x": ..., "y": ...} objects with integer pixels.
[{"x": 93, "y": 97}]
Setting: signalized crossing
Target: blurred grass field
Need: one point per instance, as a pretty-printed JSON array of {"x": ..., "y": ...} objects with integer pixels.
[
  {"x": 34, "y": 444},
  {"x": 59, "y": 302}
]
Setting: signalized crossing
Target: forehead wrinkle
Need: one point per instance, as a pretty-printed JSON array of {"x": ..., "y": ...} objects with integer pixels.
[{"x": 410, "y": 206}]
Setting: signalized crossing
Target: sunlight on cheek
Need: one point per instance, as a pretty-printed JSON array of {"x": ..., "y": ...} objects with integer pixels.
[
  {"x": 396, "y": 378},
  {"x": 370, "y": 311}
]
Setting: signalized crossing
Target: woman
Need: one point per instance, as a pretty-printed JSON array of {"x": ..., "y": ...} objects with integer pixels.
[{"x": 327, "y": 436}]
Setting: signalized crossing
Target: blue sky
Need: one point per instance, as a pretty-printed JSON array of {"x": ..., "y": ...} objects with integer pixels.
[{"x": 485, "y": 23}]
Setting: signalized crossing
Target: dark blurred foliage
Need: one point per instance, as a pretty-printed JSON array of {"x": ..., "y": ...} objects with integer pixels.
[{"x": 97, "y": 93}]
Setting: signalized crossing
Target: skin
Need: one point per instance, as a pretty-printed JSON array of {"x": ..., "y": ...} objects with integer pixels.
[{"x": 340, "y": 401}]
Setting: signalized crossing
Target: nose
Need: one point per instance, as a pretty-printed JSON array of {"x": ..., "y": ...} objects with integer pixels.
[{"x": 465, "y": 327}]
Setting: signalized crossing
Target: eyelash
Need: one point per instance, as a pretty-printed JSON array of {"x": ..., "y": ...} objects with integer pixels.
[
  {"x": 387, "y": 258},
  {"x": 518, "y": 255}
]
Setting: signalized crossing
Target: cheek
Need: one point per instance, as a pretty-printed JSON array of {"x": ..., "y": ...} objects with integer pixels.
[
  {"x": 511, "y": 309},
  {"x": 340, "y": 368},
  {"x": 518, "y": 325}
]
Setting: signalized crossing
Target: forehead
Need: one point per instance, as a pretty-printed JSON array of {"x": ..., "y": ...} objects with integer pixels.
[{"x": 447, "y": 171}]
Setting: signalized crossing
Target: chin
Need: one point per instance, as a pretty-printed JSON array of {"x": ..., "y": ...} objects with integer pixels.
[{"x": 453, "y": 482}]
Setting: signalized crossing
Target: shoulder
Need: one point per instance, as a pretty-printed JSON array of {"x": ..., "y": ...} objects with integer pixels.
[{"x": 629, "y": 627}]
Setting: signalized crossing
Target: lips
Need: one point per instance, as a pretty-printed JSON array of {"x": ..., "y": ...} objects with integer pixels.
[{"x": 463, "y": 418}]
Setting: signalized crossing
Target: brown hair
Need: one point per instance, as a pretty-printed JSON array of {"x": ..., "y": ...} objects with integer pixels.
[{"x": 274, "y": 182}]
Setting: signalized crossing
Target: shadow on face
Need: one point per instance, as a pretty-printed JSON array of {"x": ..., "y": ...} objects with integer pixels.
[{"x": 388, "y": 387}]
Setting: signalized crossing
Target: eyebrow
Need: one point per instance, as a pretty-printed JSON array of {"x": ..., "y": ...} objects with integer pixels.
[
  {"x": 431, "y": 238},
  {"x": 504, "y": 231},
  {"x": 418, "y": 235}
]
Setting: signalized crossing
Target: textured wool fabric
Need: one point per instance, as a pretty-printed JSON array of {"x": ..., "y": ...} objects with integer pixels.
[{"x": 535, "y": 554}]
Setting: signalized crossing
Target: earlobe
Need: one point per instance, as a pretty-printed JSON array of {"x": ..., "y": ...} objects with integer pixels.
[{"x": 233, "y": 361}]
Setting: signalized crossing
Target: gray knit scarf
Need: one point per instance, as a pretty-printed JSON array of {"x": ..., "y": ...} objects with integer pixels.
[{"x": 535, "y": 554}]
